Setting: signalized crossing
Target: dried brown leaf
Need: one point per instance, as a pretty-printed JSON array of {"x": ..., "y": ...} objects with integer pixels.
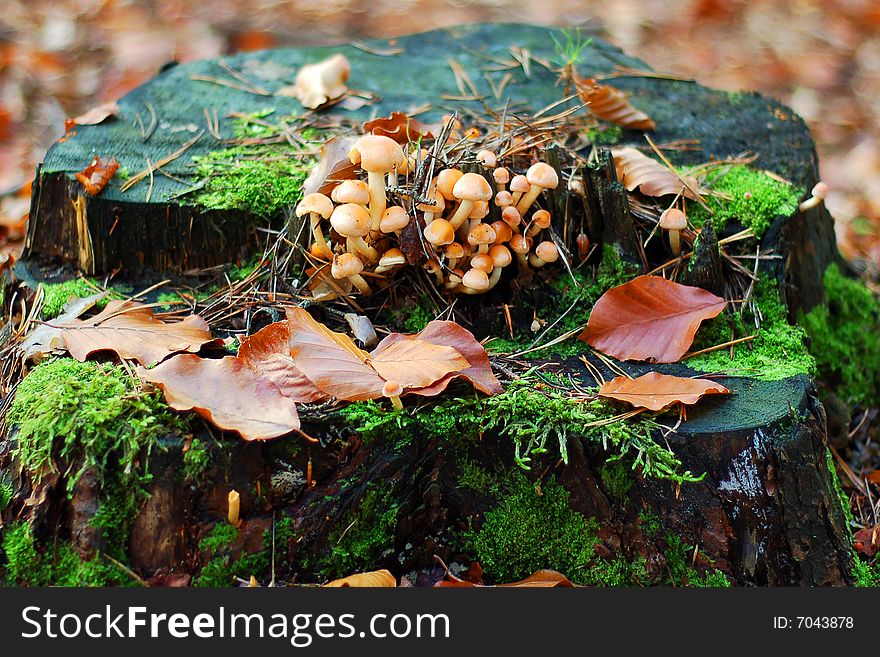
[
  {"x": 655, "y": 391},
  {"x": 637, "y": 170},
  {"x": 47, "y": 338},
  {"x": 94, "y": 116},
  {"x": 611, "y": 104},
  {"x": 374, "y": 579},
  {"x": 415, "y": 363},
  {"x": 227, "y": 392},
  {"x": 399, "y": 127},
  {"x": 649, "y": 318},
  {"x": 333, "y": 167},
  {"x": 539, "y": 579},
  {"x": 97, "y": 174},
  {"x": 131, "y": 331}
]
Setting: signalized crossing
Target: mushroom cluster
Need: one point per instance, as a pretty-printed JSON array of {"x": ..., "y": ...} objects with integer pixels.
[{"x": 467, "y": 251}]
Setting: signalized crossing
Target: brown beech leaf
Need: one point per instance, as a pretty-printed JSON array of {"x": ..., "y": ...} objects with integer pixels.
[
  {"x": 649, "y": 318},
  {"x": 637, "y": 170},
  {"x": 227, "y": 392},
  {"x": 97, "y": 174},
  {"x": 332, "y": 361},
  {"x": 317, "y": 84},
  {"x": 539, "y": 579},
  {"x": 333, "y": 167},
  {"x": 267, "y": 352},
  {"x": 94, "y": 116},
  {"x": 131, "y": 331},
  {"x": 415, "y": 363},
  {"x": 611, "y": 104},
  {"x": 374, "y": 579},
  {"x": 400, "y": 127},
  {"x": 450, "y": 334},
  {"x": 867, "y": 541},
  {"x": 655, "y": 391},
  {"x": 48, "y": 337}
]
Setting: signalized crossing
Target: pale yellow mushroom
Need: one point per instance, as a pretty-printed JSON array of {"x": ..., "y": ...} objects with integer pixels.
[
  {"x": 500, "y": 256},
  {"x": 348, "y": 265},
  {"x": 540, "y": 221},
  {"x": 475, "y": 281},
  {"x": 394, "y": 219},
  {"x": 469, "y": 189},
  {"x": 673, "y": 221},
  {"x": 351, "y": 191},
  {"x": 820, "y": 191},
  {"x": 377, "y": 155},
  {"x": 487, "y": 158},
  {"x": 521, "y": 246},
  {"x": 391, "y": 259},
  {"x": 393, "y": 390},
  {"x": 317, "y": 207},
  {"x": 481, "y": 237},
  {"x": 545, "y": 252},
  {"x": 502, "y": 177},
  {"x": 519, "y": 185},
  {"x": 439, "y": 232},
  {"x": 540, "y": 176},
  {"x": 233, "y": 501},
  {"x": 352, "y": 221}
]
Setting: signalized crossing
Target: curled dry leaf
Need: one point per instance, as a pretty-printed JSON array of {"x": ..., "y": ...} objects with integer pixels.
[
  {"x": 416, "y": 363},
  {"x": 399, "y": 127},
  {"x": 655, "y": 391},
  {"x": 867, "y": 541},
  {"x": 96, "y": 176},
  {"x": 611, "y": 104},
  {"x": 46, "y": 338},
  {"x": 316, "y": 84},
  {"x": 374, "y": 579},
  {"x": 227, "y": 392},
  {"x": 94, "y": 116},
  {"x": 333, "y": 167},
  {"x": 637, "y": 170},
  {"x": 543, "y": 579},
  {"x": 131, "y": 331},
  {"x": 649, "y": 318}
]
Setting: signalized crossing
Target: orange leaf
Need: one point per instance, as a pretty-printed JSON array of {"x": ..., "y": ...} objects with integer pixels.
[
  {"x": 655, "y": 391},
  {"x": 374, "y": 579},
  {"x": 94, "y": 116},
  {"x": 415, "y": 363},
  {"x": 333, "y": 167},
  {"x": 649, "y": 318},
  {"x": 48, "y": 337},
  {"x": 538, "y": 579},
  {"x": 400, "y": 127},
  {"x": 637, "y": 170},
  {"x": 227, "y": 392},
  {"x": 611, "y": 104},
  {"x": 96, "y": 176},
  {"x": 131, "y": 331}
]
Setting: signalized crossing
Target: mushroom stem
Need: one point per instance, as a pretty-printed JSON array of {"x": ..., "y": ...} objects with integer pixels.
[
  {"x": 234, "y": 506},
  {"x": 358, "y": 281},
  {"x": 675, "y": 242},
  {"x": 376, "y": 182},
  {"x": 464, "y": 209},
  {"x": 358, "y": 245},
  {"x": 526, "y": 200},
  {"x": 325, "y": 250}
]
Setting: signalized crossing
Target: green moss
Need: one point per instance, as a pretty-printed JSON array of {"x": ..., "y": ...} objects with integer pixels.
[
  {"x": 843, "y": 335},
  {"x": 649, "y": 523},
  {"x": 475, "y": 477},
  {"x": 530, "y": 530},
  {"x": 56, "y": 295},
  {"x": 6, "y": 490},
  {"x": 779, "y": 351},
  {"x": 866, "y": 574},
  {"x": 28, "y": 565},
  {"x": 681, "y": 573},
  {"x": 752, "y": 198},
  {"x": 196, "y": 461},
  {"x": 359, "y": 538},
  {"x": 605, "y": 134},
  {"x": 617, "y": 479},
  {"x": 86, "y": 414},
  {"x": 835, "y": 482}
]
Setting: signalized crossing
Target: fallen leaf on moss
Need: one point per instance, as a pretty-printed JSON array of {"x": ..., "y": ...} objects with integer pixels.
[
  {"x": 655, "y": 391},
  {"x": 130, "y": 330},
  {"x": 649, "y": 318},
  {"x": 637, "y": 170},
  {"x": 415, "y": 363},
  {"x": 374, "y": 579},
  {"x": 319, "y": 83},
  {"x": 867, "y": 541},
  {"x": 47, "y": 338},
  {"x": 226, "y": 392},
  {"x": 399, "y": 127},
  {"x": 611, "y": 104}
]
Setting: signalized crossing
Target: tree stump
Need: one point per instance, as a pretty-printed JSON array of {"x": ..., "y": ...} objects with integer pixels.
[{"x": 766, "y": 512}]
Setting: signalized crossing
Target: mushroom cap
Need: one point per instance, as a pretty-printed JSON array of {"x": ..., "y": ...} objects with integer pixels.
[
  {"x": 437, "y": 208},
  {"x": 481, "y": 234},
  {"x": 455, "y": 276},
  {"x": 487, "y": 158},
  {"x": 541, "y": 219},
  {"x": 480, "y": 210},
  {"x": 501, "y": 176},
  {"x": 393, "y": 219},
  {"x": 412, "y": 160},
  {"x": 433, "y": 266},
  {"x": 547, "y": 252},
  {"x": 500, "y": 255},
  {"x": 377, "y": 154},
  {"x": 519, "y": 183},
  {"x": 392, "y": 258},
  {"x": 439, "y": 232},
  {"x": 520, "y": 244},
  {"x": 673, "y": 219},
  {"x": 392, "y": 389},
  {"x": 472, "y": 187},
  {"x": 504, "y": 199},
  {"x": 476, "y": 279},
  {"x": 511, "y": 216},
  {"x": 351, "y": 191},
  {"x": 350, "y": 220},
  {"x": 454, "y": 250},
  {"x": 446, "y": 180},
  {"x": 583, "y": 245},
  {"x": 503, "y": 233},
  {"x": 820, "y": 190},
  {"x": 317, "y": 203},
  {"x": 542, "y": 175},
  {"x": 482, "y": 261},
  {"x": 345, "y": 265}
]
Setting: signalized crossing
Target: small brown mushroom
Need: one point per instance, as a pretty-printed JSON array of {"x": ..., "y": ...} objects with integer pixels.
[
  {"x": 521, "y": 246},
  {"x": 502, "y": 177},
  {"x": 393, "y": 390},
  {"x": 503, "y": 199},
  {"x": 435, "y": 210},
  {"x": 481, "y": 237},
  {"x": 469, "y": 189},
  {"x": 487, "y": 158},
  {"x": 454, "y": 252},
  {"x": 390, "y": 259},
  {"x": 673, "y": 221},
  {"x": 501, "y": 257},
  {"x": 446, "y": 180},
  {"x": 351, "y": 191},
  {"x": 583, "y": 246},
  {"x": 348, "y": 265},
  {"x": 439, "y": 232},
  {"x": 503, "y": 233},
  {"x": 545, "y": 252},
  {"x": 482, "y": 261},
  {"x": 540, "y": 221},
  {"x": 511, "y": 217},
  {"x": 317, "y": 207},
  {"x": 540, "y": 176},
  {"x": 394, "y": 219},
  {"x": 352, "y": 221},
  {"x": 519, "y": 185},
  {"x": 377, "y": 155},
  {"x": 818, "y": 194},
  {"x": 475, "y": 281}
]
